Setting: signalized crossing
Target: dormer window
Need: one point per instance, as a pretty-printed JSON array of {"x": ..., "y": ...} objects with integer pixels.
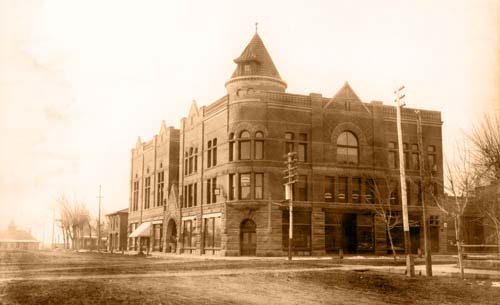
[{"x": 247, "y": 69}]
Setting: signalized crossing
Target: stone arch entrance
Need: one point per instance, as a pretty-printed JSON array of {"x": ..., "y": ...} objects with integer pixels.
[
  {"x": 248, "y": 237},
  {"x": 171, "y": 236}
]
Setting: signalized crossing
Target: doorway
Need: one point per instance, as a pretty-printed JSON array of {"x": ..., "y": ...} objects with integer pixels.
[
  {"x": 350, "y": 240},
  {"x": 171, "y": 236},
  {"x": 248, "y": 240}
]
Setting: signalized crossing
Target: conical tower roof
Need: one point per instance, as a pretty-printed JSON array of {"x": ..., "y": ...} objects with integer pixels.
[{"x": 256, "y": 52}]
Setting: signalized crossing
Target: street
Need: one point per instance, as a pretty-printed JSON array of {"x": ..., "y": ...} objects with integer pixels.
[{"x": 103, "y": 278}]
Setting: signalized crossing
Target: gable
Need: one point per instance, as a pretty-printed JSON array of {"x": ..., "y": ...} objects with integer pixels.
[{"x": 346, "y": 100}]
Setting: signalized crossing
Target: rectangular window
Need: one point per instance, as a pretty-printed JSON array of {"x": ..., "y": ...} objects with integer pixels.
[
  {"x": 190, "y": 195},
  {"x": 147, "y": 190},
  {"x": 259, "y": 149},
  {"x": 393, "y": 155},
  {"x": 342, "y": 194},
  {"x": 356, "y": 190},
  {"x": 415, "y": 161},
  {"x": 302, "y": 147},
  {"x": 159, "y": 198},
  {"x": 333, "y": 232},
  {"x": 195, "y": 158},
  {"x": 185, "y": 196},
  {"x": 329, "y": 189},
  {"x": 394, "y": 197},
  {"x": 232, "y": 187},
  {"x": 157, "y": 231},
  {"x": 214, "y": 186},
  {"x": 420, "y": 199},
  {"x": 259, "y": 186},
  {"x": 301, "y": 188},
  {"x": 406, "y": 154},
  {"x": 302, "y": 153},
  {"x": 135, "y": 204},
  {"x": 244, "y": 150},
  {"x": 211, "y": 186},
  {"x": 409, "y": 193},
  {"x": 217, "y": 232},
  {"x": 188, "y": 236},
  {"x": 212, "y": 234},
  {"x": 209, "y": 191},
  {"x": 209, "y": 233},
  {"x": 365, "y": 233},
  {"x": 393, "y": 159},
  {"x": 244, "y": 186},
  {"x": 195, "y": 194},
  {"x": 370, "y": 191},
  {"x": 289, "y": 145},
  {"x": 209, "y": 154},
  {"x": 431, "y": 157},
  {"x": 214, "y": 152}
]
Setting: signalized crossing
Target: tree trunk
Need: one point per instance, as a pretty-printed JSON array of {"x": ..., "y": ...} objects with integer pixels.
[
  {"x": 458, "y": 234},
  {"x": 390, "y": 241}
]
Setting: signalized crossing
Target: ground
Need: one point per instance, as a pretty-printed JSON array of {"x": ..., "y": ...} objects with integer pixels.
[{"x": 93, "y": 278}]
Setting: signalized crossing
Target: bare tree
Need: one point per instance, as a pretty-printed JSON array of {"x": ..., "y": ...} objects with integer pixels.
[
  {"x": 383, "y": 204},
  {"x": 485, "y": 138},
  {"x": 74, "y": 216},
  {"x": 460, "y": 181},
  {"x": 488, "y": 202}
]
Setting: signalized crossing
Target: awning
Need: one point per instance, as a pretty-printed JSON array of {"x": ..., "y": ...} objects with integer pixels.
[{"x": 142, "y": 230}]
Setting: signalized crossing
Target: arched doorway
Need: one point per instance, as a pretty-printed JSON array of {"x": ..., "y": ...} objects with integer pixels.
[
  {"x": 171, "y": 236},
  {"x": 248, "y": 237}
]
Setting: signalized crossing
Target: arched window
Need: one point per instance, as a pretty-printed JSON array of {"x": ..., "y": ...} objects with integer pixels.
[
  {"x": 259, "y": 146},
  {"x": 347, "y": 148},
  {"x": 244, "y": 148}
]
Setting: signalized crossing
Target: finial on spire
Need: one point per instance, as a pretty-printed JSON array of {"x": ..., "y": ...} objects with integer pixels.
[{"x": 256, "y": 27}]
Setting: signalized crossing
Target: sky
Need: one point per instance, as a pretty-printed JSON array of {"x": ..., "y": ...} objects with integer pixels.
[{"x": 81, "y": 80}]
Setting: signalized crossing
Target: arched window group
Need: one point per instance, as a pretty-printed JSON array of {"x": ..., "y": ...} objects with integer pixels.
[
  {"x": 245, "y": 149},
  {"x": 347, "y": 148}
]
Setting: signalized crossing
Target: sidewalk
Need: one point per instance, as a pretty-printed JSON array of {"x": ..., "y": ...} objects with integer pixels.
[{"x": 437, "y": 269}]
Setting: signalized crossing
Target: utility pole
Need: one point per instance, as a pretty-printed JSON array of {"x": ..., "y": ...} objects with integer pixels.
[
  {"x": 410, "y": 268},
  {"x": 53, "y": 226},
  {"x": 427, "y": 248},
  {"x": 291, "y": 177},
  {"x": 99, "y": 223}
]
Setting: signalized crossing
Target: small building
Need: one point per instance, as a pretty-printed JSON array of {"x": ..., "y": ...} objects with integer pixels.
[
  {"x": 14, "y": 239},
  {"x": 117, "y": 236}
]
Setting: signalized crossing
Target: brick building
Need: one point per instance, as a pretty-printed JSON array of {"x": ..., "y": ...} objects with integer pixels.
[
  {"x": 154, "y": 171},
  {"x": 117, "y": 235},
  {"x": 231, "y": 152}
]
